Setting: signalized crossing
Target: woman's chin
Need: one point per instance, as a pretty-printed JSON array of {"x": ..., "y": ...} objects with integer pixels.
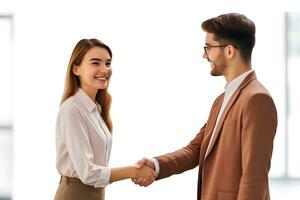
[{"x": 102, "y": 86}]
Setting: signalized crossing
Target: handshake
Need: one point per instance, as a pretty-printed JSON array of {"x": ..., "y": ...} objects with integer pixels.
[{"x": 145, "y": 173}]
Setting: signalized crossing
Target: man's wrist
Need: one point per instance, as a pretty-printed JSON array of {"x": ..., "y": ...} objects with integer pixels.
[{"x": 156, "y": 165}]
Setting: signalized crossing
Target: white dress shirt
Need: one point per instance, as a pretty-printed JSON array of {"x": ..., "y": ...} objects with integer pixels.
[
  {"x": 230, "y": 88},
  {"x": 83, "y": 141}
]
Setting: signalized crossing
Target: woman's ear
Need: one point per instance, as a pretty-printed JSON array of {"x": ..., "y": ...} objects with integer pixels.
[{"x": 75, "y": 70}]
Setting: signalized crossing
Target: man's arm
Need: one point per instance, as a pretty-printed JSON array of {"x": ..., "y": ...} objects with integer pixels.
[
  {"x": 175, "y": 162},
  {"x": 183, "y": 159},
  {"x": 259, "y": 127}
]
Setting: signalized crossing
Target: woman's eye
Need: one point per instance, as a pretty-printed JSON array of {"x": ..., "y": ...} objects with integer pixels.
[
  {"x": 108, "y": 64},
  {"x": 95, "y": 63}
]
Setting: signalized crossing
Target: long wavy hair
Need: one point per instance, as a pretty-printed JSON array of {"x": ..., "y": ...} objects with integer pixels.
[{"x": 72, "y": 82}]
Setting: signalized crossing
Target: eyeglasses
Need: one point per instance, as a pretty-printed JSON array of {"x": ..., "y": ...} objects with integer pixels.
[{"x": 213, "y": 46}]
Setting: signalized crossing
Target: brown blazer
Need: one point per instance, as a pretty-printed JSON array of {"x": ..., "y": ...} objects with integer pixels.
[{"x": 238, "y": 161}]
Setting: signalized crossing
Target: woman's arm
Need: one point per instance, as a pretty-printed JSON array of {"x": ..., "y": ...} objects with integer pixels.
[
  {"x": 134, "y": 171},
  {"x": 75, "y": 136}
]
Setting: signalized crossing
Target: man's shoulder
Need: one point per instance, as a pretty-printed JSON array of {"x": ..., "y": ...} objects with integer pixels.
[{"x": 254, "y": 88}]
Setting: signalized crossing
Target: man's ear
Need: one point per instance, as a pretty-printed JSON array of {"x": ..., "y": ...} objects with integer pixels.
[
  {"x": 75, "y": 70},
  {"x": 230, "y": 51}
]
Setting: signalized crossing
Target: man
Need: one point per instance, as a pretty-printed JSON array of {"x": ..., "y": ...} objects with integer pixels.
[{"x": 234, "y": 147}]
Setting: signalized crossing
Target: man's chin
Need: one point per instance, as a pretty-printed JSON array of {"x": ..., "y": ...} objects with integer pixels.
[{"x": 215, "y": 73}]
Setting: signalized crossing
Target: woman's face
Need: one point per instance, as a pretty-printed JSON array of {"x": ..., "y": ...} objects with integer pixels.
[{"x": 94, "y": 71}]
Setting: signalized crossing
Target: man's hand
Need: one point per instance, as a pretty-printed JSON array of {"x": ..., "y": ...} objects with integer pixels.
[{"x": 142, "y": 181}]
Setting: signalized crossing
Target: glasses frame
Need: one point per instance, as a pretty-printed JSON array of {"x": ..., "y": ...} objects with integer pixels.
[{"x": 206, "y": 47}]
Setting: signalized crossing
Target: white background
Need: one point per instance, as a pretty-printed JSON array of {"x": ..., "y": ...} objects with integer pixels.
[{"x": 161, "y": 86}]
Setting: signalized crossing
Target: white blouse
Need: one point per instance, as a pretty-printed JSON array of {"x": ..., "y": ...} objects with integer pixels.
[{"x": 83, "y": 141}]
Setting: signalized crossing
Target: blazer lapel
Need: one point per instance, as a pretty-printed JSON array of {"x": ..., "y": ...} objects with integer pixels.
[
  {"x": 210, "y": 126},
  {"x": 233, "y": 98},
  {"x": 213, "y": 116}
]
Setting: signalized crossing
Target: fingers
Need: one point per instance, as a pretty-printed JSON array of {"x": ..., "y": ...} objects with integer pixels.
[
  {"x": 149, "y": 163},
  {"x": 145, "y": 176},
  {"x": 141, "y": 163},
  {"x": 144, "y": 182},
  {"x": 138, "y": 181}
]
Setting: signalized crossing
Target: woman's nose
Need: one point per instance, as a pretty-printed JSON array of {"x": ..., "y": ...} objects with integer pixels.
[{"x": 103, "y": 68}]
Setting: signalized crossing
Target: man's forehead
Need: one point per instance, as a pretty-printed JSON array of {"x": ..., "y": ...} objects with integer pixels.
[{"x": 210, "y": 37}]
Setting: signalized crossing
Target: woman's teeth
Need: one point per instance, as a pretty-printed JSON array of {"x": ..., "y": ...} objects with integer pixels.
[{"x": 101, "y": 78}]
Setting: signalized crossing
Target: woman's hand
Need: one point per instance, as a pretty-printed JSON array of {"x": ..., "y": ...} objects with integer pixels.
[{"x": 145, "y": 173}]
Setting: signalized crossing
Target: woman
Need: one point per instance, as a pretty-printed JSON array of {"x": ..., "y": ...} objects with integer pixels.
[{"x": 83, "y": 129}]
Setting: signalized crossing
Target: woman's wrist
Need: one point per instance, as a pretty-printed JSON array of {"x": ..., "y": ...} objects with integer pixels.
[
  {"x": 121, "y": 173},
  {"x": 133, "y": 171}
]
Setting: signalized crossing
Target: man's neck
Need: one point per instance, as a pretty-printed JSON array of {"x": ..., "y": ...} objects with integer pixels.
[{"x": 236, "y": 70}]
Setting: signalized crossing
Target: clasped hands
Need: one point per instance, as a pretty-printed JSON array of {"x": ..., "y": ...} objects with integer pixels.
[{"x": 145, "y": 173}]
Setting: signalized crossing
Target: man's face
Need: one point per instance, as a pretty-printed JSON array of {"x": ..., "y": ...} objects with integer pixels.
[{"x": 214, "y": 53}]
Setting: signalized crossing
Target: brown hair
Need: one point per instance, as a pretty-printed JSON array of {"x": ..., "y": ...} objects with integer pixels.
[
  {"x": 72, "y": 82},
  {"x": 235, "y": 29}
]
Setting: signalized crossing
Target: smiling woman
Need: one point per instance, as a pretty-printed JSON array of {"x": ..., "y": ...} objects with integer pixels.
[{"x": 83, "y": 129}]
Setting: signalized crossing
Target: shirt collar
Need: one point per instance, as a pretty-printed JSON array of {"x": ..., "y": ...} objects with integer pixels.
[
  {"x": 86, "y": 100},
  {"x": 234, "y": 84}
]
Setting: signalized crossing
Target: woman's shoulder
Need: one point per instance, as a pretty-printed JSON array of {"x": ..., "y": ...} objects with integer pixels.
[
  {"x": 69, "y": 106},
  {"x": 73, "y": 106}
]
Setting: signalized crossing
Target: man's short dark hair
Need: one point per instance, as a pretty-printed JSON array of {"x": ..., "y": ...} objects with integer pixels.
[{"x": 235, "y": 29}]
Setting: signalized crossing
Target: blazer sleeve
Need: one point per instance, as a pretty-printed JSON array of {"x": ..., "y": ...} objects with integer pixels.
[
  {"x": 183, "y": 159},
  {"x": 259, "y": 123}
]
